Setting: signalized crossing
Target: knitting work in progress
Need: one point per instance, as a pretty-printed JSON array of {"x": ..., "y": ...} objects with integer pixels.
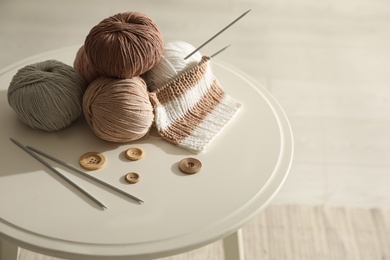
[
  {"x": 172, "y": 63},
  {"x": 192, "y": 109},
  {"x": 125, "y": 81}
]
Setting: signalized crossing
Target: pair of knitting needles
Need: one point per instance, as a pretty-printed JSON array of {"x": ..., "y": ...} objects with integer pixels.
[
  {"x": 215, "y": 36},
  {"x": 33, "y": 152}
]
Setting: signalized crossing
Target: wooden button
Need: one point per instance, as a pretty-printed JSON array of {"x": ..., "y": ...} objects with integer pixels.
[
  {"x": 190, "y": 165},
  {"x": 132, "y": 177},
  {"x": 134, "y": 154},
  {"x": 92, "y": 161}
]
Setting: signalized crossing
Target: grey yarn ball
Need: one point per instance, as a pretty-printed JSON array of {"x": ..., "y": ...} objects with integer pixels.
[{"x": 47, "y": 95}]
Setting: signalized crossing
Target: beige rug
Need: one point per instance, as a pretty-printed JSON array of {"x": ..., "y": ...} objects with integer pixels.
[{"x": 300, "y": 233}]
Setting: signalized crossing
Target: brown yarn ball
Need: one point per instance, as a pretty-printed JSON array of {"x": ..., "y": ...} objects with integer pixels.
[
  {"x": 83, "y": 67},
  {"x": 118, "y": 110},
  {"x": 124, "y": 45}
]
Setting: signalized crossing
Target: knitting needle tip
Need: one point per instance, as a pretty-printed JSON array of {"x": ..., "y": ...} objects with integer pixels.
[
  {"x": 30, "y": 152},
  {"x": 218, "y": 52},
  {"x": 221, "y": 31},
  {"x": 83, "y": 173}
]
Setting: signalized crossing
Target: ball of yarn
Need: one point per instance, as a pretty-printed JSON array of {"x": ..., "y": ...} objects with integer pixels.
[
  {"x": 124, "y": 45},
  {"x": 118, "y": 110},
  {"x": 171, "y": 64},
  {"x": 47, "y": 95},
  {"x": 83, "y": 67}
]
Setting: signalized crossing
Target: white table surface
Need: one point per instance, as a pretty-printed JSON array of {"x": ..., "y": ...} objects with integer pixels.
[{"x": 242, "y": 170}]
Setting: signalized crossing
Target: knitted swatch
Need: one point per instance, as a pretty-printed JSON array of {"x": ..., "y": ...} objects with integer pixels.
[{"x": 192, "y": 109}]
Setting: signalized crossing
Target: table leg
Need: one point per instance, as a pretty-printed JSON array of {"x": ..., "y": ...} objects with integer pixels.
[
  {"x": 8, "y": 251},
  {"x": 232, "y": 246}
]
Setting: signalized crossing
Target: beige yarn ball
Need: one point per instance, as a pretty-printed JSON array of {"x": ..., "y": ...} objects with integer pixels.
[{"x": 118, "y": 110}]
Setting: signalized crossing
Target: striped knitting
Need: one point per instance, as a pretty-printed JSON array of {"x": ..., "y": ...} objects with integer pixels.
[{"x": 192, "y": 109}]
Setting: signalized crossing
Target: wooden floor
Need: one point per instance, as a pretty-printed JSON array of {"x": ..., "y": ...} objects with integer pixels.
[
  {"x": 301, "y": 233},
  {"x": 326, "y": 62}
]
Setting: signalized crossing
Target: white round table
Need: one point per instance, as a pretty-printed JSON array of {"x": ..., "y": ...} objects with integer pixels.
[{"x": 243, "y": 168}]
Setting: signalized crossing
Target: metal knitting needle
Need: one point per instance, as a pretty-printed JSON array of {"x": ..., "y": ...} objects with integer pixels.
[
  {"x": 213, "y": 55},
  {"x": 84, "y": 174},
  {"x": 58, "y": 173},
  {"x": 221, "y": 31},
  {"x": 218, "y": 52}
]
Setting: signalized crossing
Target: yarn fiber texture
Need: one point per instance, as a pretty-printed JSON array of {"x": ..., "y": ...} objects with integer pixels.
[
  {"x": 172, "y": 63},
  {"x": 118, "y": 110},
  {"x": 192, "y": 109},
  {"x": 124, "y": 45},
  {"x": 47, "y": 95},
  {"x": 83, "y": 67}
]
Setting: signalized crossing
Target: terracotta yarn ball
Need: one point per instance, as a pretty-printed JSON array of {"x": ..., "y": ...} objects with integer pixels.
[
  {"x": 118, "y": 110},
  {"x": 124, "y": 45},
  {"x": 83, "y": 67}
]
